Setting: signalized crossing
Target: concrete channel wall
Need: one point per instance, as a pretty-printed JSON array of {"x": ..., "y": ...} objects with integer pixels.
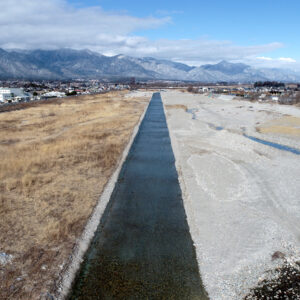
[{"x": 142, "y": 248}]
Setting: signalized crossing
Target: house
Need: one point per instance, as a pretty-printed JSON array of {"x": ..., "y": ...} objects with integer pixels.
[
  {"x": 203, "y": 89},
  {"x": 8, "y": 95},
  {"x": 5, "y": 95},
  {"x": 53, "y": 94}
]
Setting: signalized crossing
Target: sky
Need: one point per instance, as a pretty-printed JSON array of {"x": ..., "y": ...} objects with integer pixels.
[{"x": 262, "y": 33}]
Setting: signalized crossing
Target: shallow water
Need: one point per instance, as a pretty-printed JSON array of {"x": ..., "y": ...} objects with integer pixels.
[
  {"x": 274, "y": 145},
  {"x": 261, "y": 141},
  {"x": 142, "y": 248},
  {"x": 219, "y": 128}
]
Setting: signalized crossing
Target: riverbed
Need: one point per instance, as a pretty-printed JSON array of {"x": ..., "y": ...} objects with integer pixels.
[{"x": 241, "y": 195}]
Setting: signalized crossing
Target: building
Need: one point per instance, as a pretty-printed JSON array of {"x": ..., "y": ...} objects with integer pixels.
[
  {"x": 9, "y": 95},
  {"x": 203, "y": 89},
  {"x": 53, "y": 94},
  {"x": 5, "y": 95}
]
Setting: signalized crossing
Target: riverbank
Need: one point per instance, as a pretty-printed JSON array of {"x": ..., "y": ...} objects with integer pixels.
[{"x": 56, "y": 159}]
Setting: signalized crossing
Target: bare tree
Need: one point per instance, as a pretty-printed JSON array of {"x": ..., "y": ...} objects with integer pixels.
[{"x": 190, "y": 89}]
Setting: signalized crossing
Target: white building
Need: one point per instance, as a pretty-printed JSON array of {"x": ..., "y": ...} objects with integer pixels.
[
  {"x": 54, "y": 95},
  {"x": 203, "y": 89},
  {"x": 5, "y": 95},
  {"x": 8, "y": 95}
]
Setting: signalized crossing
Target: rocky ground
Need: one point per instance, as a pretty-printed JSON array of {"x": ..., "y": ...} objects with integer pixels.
[{"x": 241, "y": 195}]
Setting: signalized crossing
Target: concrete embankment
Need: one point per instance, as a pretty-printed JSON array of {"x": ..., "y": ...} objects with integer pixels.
[{"x": 142, "y": 248}]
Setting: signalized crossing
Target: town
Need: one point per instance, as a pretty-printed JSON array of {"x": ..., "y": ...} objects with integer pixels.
[
  {"x": 269, "y": 91},
  {"x": 17, "y": 91}
]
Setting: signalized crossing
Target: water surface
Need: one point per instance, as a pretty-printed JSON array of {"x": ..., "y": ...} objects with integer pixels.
[{"x": 274, "y": 145}]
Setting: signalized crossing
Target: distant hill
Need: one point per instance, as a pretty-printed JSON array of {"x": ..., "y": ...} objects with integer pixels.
[
  {"x": 85, "y": 64},
  {"x": 227, "y": 68}
]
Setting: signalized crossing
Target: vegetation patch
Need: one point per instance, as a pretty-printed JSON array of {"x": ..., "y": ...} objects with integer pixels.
[
  {"x": 282, "y": 283},
  {"x": 56, "y": 158},
  {"x": 286, "y": 125},
  {"x": 177, "y": 106}
]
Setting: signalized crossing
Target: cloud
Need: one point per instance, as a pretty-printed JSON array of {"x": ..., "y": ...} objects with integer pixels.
[
  {"x": 199, "y": 51},
  {"x": 283, "y": 59},
  {"x": 264, "y": 58},
  {"x": 269, "y": 62},
  {"x": 287, "y": 59},
  {"x": 55, "y": 23},
  {"x": 51, "y": 24}
]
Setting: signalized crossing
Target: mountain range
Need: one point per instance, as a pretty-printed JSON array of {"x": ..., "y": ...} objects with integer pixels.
[{"x": 85, "y": 64}]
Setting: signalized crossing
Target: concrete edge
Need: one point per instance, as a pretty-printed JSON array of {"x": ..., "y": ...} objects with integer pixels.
[{"x": 82, "y": 244}]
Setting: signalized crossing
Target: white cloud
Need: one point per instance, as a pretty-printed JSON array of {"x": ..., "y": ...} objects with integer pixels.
[
  {"x": 264, "y": 58},
  {"x": 287, "y": 59},
  {"x": 50, "y": 24},
  {"x": 54, "y": 24},
  {"x": 281, "y": 59},
  {"x": 202, "y": 50},
  {"x": 268, "y": 62}
]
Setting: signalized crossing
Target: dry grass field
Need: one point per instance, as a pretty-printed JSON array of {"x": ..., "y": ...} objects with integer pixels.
[
  {"x": 55, "y": 160},
  {"x": 287, "y": 125},
  {"x": 176, "y": 106}
]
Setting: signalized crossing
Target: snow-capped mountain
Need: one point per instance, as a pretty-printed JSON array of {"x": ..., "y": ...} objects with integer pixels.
[
  {"x": 72, "y": 64},
  {"x": 165, "y": 69}
]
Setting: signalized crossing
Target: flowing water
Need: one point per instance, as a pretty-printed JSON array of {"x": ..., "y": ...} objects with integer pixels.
[{"x": 274, "y": 145}]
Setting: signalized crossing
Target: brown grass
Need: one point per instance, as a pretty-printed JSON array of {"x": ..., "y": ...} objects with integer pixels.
[
  {"x": 25, "y": 105},
  {"x": 55, "y": 161},
  {"x": 177, "y": 106},
  {"x": 286, "y": 125}
]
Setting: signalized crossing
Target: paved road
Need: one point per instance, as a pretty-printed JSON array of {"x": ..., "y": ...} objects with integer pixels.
[{"x": 143, "y": 248}]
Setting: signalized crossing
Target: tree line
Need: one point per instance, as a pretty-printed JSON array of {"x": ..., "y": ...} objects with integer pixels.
[{"x": 269, "y": 84}]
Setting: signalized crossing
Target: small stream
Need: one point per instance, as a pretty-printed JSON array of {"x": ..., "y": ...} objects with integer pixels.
[
  {"x": 274, "y": 145},
  {"x": 255, "y": 139}
]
